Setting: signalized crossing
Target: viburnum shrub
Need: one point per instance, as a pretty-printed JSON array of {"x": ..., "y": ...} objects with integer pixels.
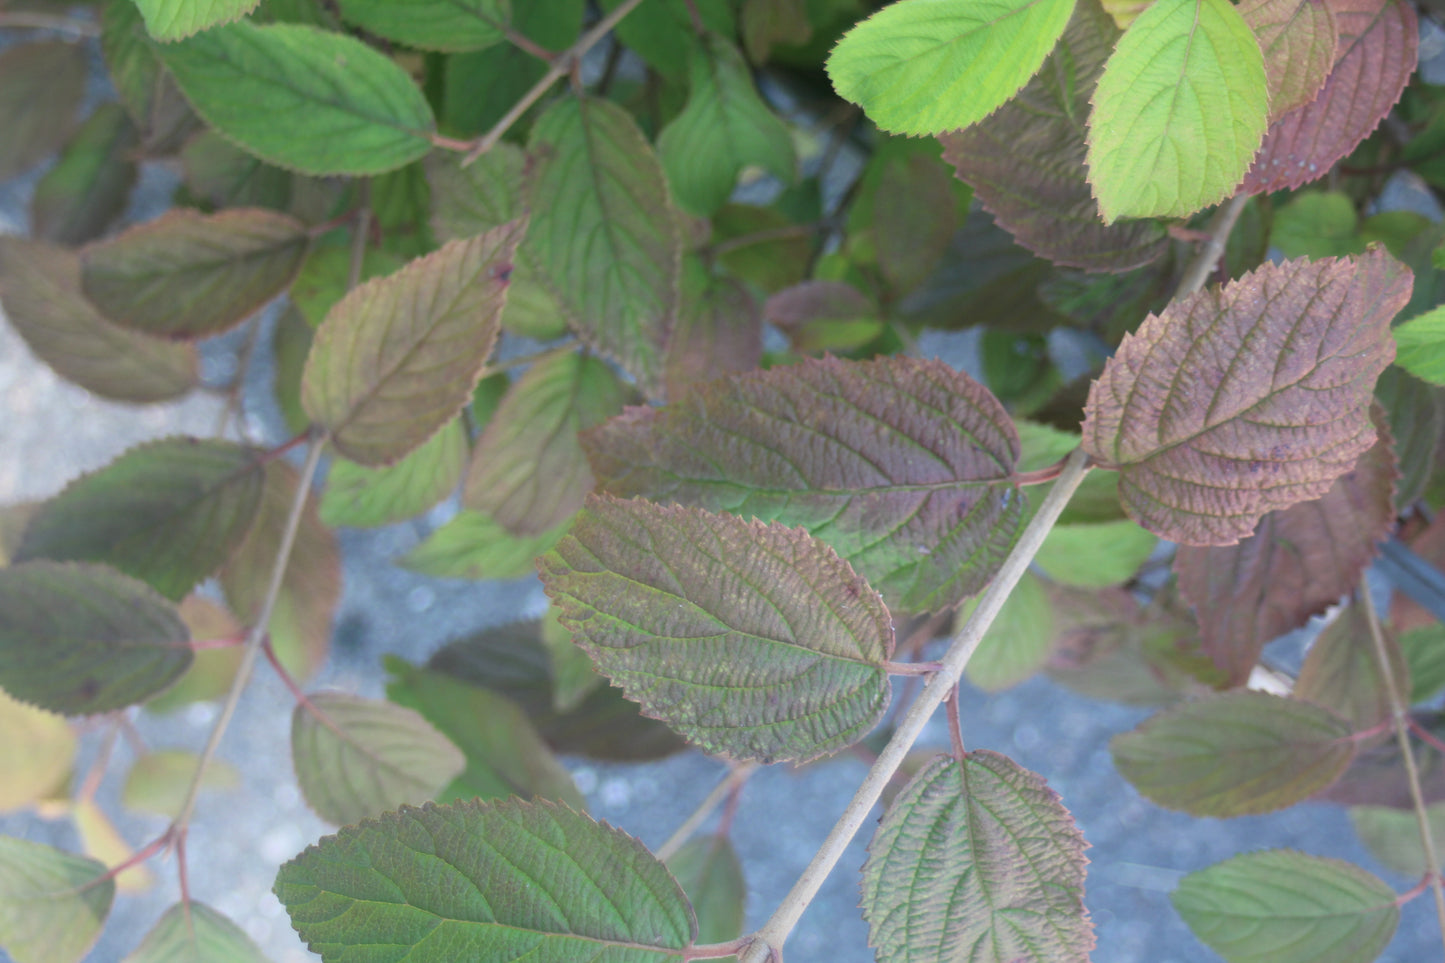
[{"x": 750, "y": 500}]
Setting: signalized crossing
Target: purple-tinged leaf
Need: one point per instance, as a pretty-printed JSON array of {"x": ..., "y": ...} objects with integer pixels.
[
  {"x": 1237, "y": 754},
  {"x": 1374, "y": 59},
  {"x": 819, "y": 316},
  {"x": 977, "y": 860},
  {"x": 1026, "y": 161},
  {"x": 1247, "y": 398},
  {"x": 903, "y": 466},
  {"x": 750, "y": 639},
  {"x": 718, "y": 331},
  {"x": 40, "y": 88},
  {"x": 1299, "y": 562},
  {"x": 1298, "y": 38},
  {"x": 1342, "y": 673}
]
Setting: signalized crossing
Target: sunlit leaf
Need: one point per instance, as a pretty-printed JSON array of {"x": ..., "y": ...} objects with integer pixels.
[
  {"x": 1299, "y": 561},
  {"x": 169, "y": 513},
  {"x": 303, "y": 98},
  {"x": 1026, "y": 162},
  {"x": 1420, "y": 346},
  {"x": 1241, "y": 400},
  {"x": 367, "y": 497},
  {"x": 1235, "y": 754},
  {"x": 1019, "y": 641},
  {"x": 1179, "y": 111},
  {"x": 446, "y": 25},
  {"x": 1298, "y": 39},
  {"x": 978, "y": 855},
  {"x": 40, "y": 291},
  {"x": 40, "y": 89},
  {"x": 1094, "y": 554},
  {"x": 1374, "y": 59},
  {"x": 194, "y": 933},
  {"x": 931, "y": 67},
  {"x": 1279, "y": 906},
  {"x": 482, "y": 881},
  {"x": 178, "y": 19},
  {"x": 192, "y": 275},
  {"x": 37, "y": 749},
  {"x": 47, "y": 913},
  {"x": 89, "y": 186},
  {"x": 80, "y": 639},
  {"x": 1342, "y": 671},
  {"x": 903, "y": 466},
  {"x": 474, "y": 546},
  {"x": 159, "y": 782},
  {"x": 606, "y": 244},
  {"x": 399, "y": 356},
  {"x": 711, "y": 875},
  {"x": 751, "y": 639}
]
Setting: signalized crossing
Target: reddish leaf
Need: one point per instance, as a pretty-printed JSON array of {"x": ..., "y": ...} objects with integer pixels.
[
  {"x": 902, "y": 466},
  {"x": 1026, "y": 161},
  {"x": 89, "y": 186},
  {"x": 40, "y": 88},
  {"x": 719, "y": 330},
  {"x": 1373, "y": 61},
  {"x": 819, "y": 316},
  {"x": 1297, "y": 563},
  {"x": 1240, "y": 400},
  {"x": 1342, "y": 672},
  {"x": 1298, "y": 38}
]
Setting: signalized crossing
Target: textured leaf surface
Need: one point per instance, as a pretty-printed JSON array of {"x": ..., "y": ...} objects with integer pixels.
[
  {"x": 1298, "y": 39},
  {"x": 1240, "y": 400},
  {"x": 1279, "y": 906},
  {"x": 1026, "y": 162},
  {"x": 80, "y": 639},
  {"x": 399, "y": 356},
  {"x": 924, "y": 68},
  {"x": 169, "y": 513},
  {"x": 40, "y": 88},
  {"x": 40, "y": 292},
  {"x": 751, "y": 639},
  {"x": 1234, "y": 755},
  {"x": 367, "y": 497},
  {"x": 1374, "y": 57},
  {"x": 725, "y": 127},
  {"x": 711, "y": 875},
  {"x": 304, "y": 98},
  {"x": 37, "y": 749},
  {"x": 195, "y": 933},
  {"x": 1179, "y": 111},
  {"x": 447, "y": 25},
  {"x": 528, "y": 471},
  {"x": 89, "y": 186},
  {"x": 1298, "y": 563},
  {"x": 366, "y": 757},
  {"x": 903, "y": 466},
  {"x": 977, "y": 860},
  {"x": 475, "y": 546},
  {"x": 604, "y": 233},
  {"x": 177, "y": 19},
  {"x": 192, "y": 275},
  {"x": 45, "y": 917},
  {"x": 1342, "y": 672},
  {"x": 487, "y": 882}
]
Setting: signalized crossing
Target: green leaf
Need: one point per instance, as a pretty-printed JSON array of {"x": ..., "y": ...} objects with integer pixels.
[
  {"x": 194, "y": 933},
  {"x": 1026, "y": 161},
  {"x": 1317, "y": 224},
  {"x": 290, "y": 346},
  {"x": 709, "y": 872},
  {"x": 169, "y": 513},
  {"x": 40, "y": 292},
  {"x": 1393, "y": 835},
  {"x": 80, "y": 639},
  {"x": 326, "y": 274},
  {"x": 37, "y": 750},
  {"x": 486, "y": 882},
  {"x": 903, "y": 466},
  {"x": 474, "y": 546},
  {"x": 1420, "y": 346},
  {"x": 192, "y": 275},
  {"x": 607, "y": 243},
  {"x": 1279, "y": 906},
  {"x": 750, "y": 639},
  {"x": 478, "y": 88},
  {"x": 663, "y": 33},
  {"x": 1281, "y": 370},
  {"x": 89, "y": 186},
  {"x": 1235, "y": 754},
  {"x": 916, "y": 220},
  {"x": 302, "y": 98},
  {"x": 1095, "y": 554},
  {"x": 977, "y": 856},
  {"x": 926, "y": 68},
  {"x": 1424, "y": 652},
  {"x": 368, "y": 497},
  {"x": 725, "y": 127},
  {"x": 47, "y": 912},
  {"x": 451, "y": 26},
  {"x": 357, "y": 757},
  {"x": 145, "y": 87},
  {"x": 168, "y": 20},
  {"x": 505, "y": 755},
  {"x": 40, "y": 89},
  {"x": 1179, "y": 112},
  {"x": 225, "y": 175},
  {"x": 398, "y": 357},
  {"x": 1297, "y": 38},
  {"x": 528, "y": 471},
  {"x": 1019, "y": 641},
  {"x": 573, "y": 675},
  {"x": 159, "y": 781}
]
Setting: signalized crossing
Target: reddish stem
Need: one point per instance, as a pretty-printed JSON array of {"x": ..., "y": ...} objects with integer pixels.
[
  {"x": 296, "y": 691},
  {"x": 451, "y": 143},
  {"x": 1372, "y": 732},
  {"x": 140, "y": 856},
  {"x": 285, "y": 446},
  {"x": 1415, "y": 890},
  {"x": 1426, "y": 736},
  {"x": 955, "y": 727},
  {"x": 224, "y": 642},
  {"x": 715, "y": 951},
  {"x": 181, "y": 868},
  {"x": 911, "y": 668},
  {"x": 1042, "y": 475}
]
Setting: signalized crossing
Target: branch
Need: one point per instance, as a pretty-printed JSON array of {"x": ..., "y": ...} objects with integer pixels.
[
  {"x": 1209, "y": 253},
  {"x": 1399, "y": 713},
  {"x": 560, "y": 67},
  {"x": 775, "y": 931},
  {"x": 728, "y": 784}
]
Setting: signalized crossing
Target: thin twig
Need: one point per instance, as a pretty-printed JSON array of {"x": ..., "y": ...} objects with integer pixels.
[
  {"x": 736, "y": 777},
  {"x": 96, "y": 773},
  {"x": 359, "y": 238},
  {"x": 34, "y": 20},
  {"x": 1400, "y": 714},
  {"x": 955, "y": 726},
  {"x": 787, "y": 232},
  {"x": 1211, "y": 250},
  {"x": 775, "y": 931},
  {"x": 559, "y": 68}
]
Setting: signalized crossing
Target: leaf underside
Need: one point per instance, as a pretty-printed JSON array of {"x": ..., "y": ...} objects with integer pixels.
[{"x": 45, "y": 915}]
